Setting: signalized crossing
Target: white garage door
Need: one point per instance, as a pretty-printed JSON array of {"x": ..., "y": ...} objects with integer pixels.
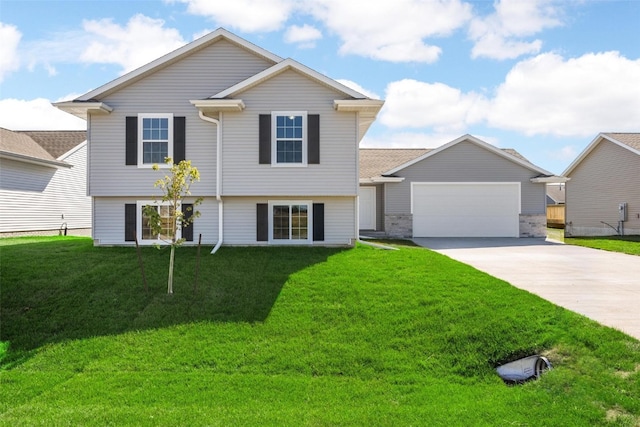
[{"x": 466, "y": 209}]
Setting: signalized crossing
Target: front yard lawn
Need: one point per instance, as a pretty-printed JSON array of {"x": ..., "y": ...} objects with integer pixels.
[
  {"x": 292, "y": 336},
  {"x": 625, "y": 244}
]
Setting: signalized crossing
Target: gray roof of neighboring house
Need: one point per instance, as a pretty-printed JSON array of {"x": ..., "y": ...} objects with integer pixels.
[
  {"x": 57, "y": 142},
  {"x": 556, "y": 193},
  {"x": 376, "y": 161},
  {"x": 39, "y": 146},
  {"x": 630, "y": 139}
]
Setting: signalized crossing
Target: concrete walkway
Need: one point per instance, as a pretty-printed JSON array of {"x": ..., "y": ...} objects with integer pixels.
[{"x": 604, "y": 286}]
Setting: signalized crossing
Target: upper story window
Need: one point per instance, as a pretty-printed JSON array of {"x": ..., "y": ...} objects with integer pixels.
[
  {"x": 289, "y": 138},
  {"x": 155, "y": 139}
]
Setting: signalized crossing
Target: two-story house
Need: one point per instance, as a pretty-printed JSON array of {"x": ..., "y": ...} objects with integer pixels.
[{"x": 276, "y": 144}]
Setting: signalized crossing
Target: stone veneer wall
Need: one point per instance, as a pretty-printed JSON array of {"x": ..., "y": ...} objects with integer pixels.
[
  {"x": 533, "y": 225},
  {"x": 402, "y": 225},
  {"x": 399, "y": 225}
]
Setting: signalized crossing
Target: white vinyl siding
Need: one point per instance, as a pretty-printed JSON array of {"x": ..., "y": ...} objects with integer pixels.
[
  {"x": 289, "y": 91},
  {"x": 240, "y": 220},
  {"x": 110, "y": 221},
  {"x": 38, "y": 198},
  {"x": 465, "y": 162},
  {"x": 169, "y": 90},
  {"x": 608, "y": 176}
]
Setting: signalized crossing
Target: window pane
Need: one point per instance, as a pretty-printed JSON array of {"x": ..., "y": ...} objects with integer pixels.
[
  {"x": 281, "y": 222},
  {"x": 146, "y": 226},
  {"x": 154, "y": 152},
  {"x": 299, "y": 220}
]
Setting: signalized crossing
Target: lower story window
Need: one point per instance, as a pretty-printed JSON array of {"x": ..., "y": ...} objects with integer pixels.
[
  {"x": 290, "y": 222},
  {"x": 144, "y": 226}
]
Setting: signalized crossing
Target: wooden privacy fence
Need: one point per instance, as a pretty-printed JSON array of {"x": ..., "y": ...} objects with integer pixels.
[{"x": 555, "y": 216}]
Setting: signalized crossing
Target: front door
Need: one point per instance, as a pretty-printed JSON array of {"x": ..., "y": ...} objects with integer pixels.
[{"x": 367, "y": 208}]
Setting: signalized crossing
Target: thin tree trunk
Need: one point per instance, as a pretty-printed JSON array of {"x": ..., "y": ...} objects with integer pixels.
[{"x": 170, "y": 284}]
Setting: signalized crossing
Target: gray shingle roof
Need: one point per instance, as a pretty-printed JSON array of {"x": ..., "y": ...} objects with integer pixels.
[
  {"x": 57, "y": 142},
  {"x": 630, "y": 139},
  {"x": 39, "y": 145},
  {"x": 376, "y": 161}
]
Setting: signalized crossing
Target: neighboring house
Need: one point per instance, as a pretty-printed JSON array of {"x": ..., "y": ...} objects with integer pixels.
[
  {"x": 43, "y": 178},
  {"x": 466, "y": 188},
  {"x": 603, "y": 194},
  {"x": 556, "y": 194},
  {"x": 276, "y": 144},
  {"x": 555, "y": 205}
]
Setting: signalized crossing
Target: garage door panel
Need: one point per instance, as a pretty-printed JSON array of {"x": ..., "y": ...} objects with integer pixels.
[{"x": 466, "y": 210}]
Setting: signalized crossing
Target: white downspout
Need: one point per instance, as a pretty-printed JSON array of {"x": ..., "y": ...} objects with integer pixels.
[{"x": 218, "y": 176}]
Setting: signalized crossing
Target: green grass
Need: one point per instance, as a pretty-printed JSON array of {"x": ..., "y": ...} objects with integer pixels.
[
  {"x": 292, "y": 336},
  {"x": 625, "y": 244}
]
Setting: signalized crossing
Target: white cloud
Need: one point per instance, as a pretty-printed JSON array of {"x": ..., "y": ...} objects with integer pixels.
[
  {"x": 142, "y": 40},
  {"x": 9, "y": 59},
  {"x": 391, "y": 30},
  {"x": 305, "y": 36},
  {"x": 245, "y": 15},
  {"x": 566, "y": 153},
  {"x": 355, "y": 86},
  {"x": 569, "y": 97},
  {"x": 498, "y": 35},
  {"x": 414, "y": 104},
  {"x": 36, "y": 114}
]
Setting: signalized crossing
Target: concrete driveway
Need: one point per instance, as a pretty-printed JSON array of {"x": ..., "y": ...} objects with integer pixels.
[{"x": 604, "y": 286}]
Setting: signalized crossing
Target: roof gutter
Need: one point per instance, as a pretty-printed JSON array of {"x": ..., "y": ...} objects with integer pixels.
[{"x": 218, "y": 176}]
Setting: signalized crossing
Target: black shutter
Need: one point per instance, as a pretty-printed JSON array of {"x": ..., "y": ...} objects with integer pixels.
[
  {"x": 179, "y": 139},
  {"x": 318, "y": 222},
  {"x": 187, "y": 231},
  {"x": 130, "y": 222},
  {"x": 313, "y": 139},
  {"x": 262, "y": 222},
  {"x": 265, "y": 139},
  {"x": 131, "y": 141}
]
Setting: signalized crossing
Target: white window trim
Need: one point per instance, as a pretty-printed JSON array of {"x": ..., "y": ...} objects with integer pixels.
[
  {"x": 139, "y": 205},
  {"x": 274, "y": 141},
  {"x": 309, "y": 239},
  {"x": 142, "y": 116}
]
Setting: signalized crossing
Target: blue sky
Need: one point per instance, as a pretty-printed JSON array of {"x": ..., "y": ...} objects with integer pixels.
[{"x": 541, "y": 76}]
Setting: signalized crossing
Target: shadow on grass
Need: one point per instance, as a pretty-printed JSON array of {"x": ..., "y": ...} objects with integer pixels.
[{"x": 63, "y": 289}]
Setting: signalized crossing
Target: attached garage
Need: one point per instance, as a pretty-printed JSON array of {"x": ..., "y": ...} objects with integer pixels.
[
  {"x": 465, "y": 209},
  {"x": 466, "y": 188}
]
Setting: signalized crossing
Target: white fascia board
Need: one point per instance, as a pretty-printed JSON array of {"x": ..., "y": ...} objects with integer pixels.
[
  {"x": 171, "y": 57},
  {"x": 82, "y": 109},
  {"x": 34, "y": 160},
  {"x": 479, "y": 143},
  {"x": 381, "y": 179},
  {"x": 280, "y": 67},
  {"x": 593, "y": 144},
  {"x": 217, "y": 105},
  {"x": 358, "y": 105},
  {"x": 550, "y": 179},
  {"x": 387, "y": 179}
]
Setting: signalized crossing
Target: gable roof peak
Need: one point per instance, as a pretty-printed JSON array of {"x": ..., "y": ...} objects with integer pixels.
[{"x": 177, "y": 54}]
